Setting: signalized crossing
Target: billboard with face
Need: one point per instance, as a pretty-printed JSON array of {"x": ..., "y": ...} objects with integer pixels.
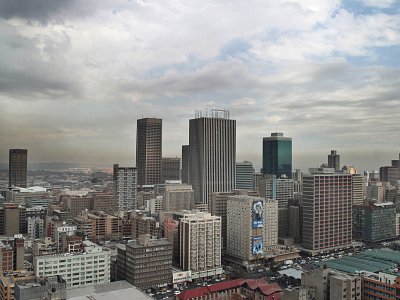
[
  {"x": 258, "y": 245},
  {"x": 258, "y": 214}
]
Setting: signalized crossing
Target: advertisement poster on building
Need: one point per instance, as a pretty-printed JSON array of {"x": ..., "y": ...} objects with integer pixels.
[
  {"x": 258, "y": 214},
  {"x": 257, "y": 245}
]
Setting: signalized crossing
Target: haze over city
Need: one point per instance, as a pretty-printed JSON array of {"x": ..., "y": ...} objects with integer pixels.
[{"x": 76, "y": 75}]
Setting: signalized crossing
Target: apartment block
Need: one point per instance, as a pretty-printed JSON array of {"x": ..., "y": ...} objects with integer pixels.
[{"x": 200, "y": 244}]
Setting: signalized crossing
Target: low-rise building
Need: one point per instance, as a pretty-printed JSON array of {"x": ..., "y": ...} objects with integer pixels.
[
  {"x": 380, "y": 286},
  {"x": 89, "y": 267}
]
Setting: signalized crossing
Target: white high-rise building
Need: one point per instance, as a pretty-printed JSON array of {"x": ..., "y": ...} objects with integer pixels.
[
  {"x": 125, "y": 187},
  {"x": 200, "y": 244},
  {"x": 212, "y": 148}
]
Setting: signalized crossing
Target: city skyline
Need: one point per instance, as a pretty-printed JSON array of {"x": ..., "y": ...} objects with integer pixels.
[{"x": 75, "y": 77}]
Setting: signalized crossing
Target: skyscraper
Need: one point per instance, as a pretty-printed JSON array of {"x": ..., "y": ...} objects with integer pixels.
[
  {"x": 327, "y": 211},
  {"x": 17, "y": 168},
  {"x": 277, "y": 155},
  {"x": 212, "y": 148},
  {"x": 334, "y": 160},
  {"x": 149, "y": 151},
  {"x": 185, "y": 164}
]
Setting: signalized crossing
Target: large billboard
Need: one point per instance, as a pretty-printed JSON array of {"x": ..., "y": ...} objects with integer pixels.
[
  {"x": 258, "y": 214},
  {"x": 258, "y": 245}
]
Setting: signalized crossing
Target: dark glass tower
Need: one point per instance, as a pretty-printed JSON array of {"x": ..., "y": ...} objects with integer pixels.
[
  {"x": 17, "y": 168},
  {"x": 149, "y": 151},
  {"x": 277, "y": 155}
]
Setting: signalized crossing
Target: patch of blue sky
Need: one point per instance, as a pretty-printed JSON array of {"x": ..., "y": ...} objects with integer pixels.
[
  {"x": 357, "y": 7},
  {"x": 191, "y": 64},
  {"x": 384, "y": 56}
]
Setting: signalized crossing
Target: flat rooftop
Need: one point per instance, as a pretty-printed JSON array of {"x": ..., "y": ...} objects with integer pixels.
[
  {"x": 371, "y": 260},
  {"x": 117, "y": 290}
]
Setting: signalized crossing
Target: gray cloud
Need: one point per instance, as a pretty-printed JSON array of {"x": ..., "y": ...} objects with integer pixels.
[{"x": 75, "y": 76}]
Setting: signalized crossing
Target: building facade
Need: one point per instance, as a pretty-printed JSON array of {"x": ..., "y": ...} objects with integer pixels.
[
  {"x": 200, "y": 244},
  {"x": 178, "y": 197},
  {"x": 212, "y": 148},
  {"x": 279, "y": 189},
  {"x": 149, "y": 151},
  {"x": 327, "y": 211},
  {"x": 148, "y": 262},
  {"x": 252, "y": 230},
  {"x": 185, "y": 164},
  {"x": 375, "y": 222},
  {"x": 125, "y": 187},
  {"x": 277, "y": 155},
  {"x": 244, "y": 175},
  {"x": 171, "y": 168},
  {"x": 90, "y": 267},
  {"x": 334, "y": 160}
]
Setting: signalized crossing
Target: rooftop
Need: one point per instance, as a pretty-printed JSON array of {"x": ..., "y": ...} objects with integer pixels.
[
  {"x": 371, "y": 261},
  {"x": 118, "y": 290}
]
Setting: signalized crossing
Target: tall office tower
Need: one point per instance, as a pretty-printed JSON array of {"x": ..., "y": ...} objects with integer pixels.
[
  {"x": 178, "y": 197},
  {"x": 279, "y": 189},
  {"x": 185, "y": 164},
  {"x": 244, "y": 175},
  {"x": 17, "y": 167},
  {"x": 359, "y": 189},
  {"x": 212, "y": 148},
  {"x": 200, "y": 244},
  {"x": 277, "y": 155},
  {"x": 334, "y": 160},
  {"x": 125, "y": 187},
  {"x": 149, "y": 151},
  {"x": 171, "y": 168},
  {"x": 327, "y": 208}
]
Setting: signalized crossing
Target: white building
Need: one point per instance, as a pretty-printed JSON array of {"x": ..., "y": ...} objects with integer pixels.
[
  {"x": 125, "y": 187},
  {"x": 200, "y": 244},
  {"x": 90, "y": 267}
]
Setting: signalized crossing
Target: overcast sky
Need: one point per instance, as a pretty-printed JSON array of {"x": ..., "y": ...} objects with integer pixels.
[{"x": 76, "y": 75}]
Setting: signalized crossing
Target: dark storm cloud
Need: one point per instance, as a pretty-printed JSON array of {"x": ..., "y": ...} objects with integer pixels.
[
  {"x": 45, "y": 11},
  {"x": 34, "y": 10}
]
